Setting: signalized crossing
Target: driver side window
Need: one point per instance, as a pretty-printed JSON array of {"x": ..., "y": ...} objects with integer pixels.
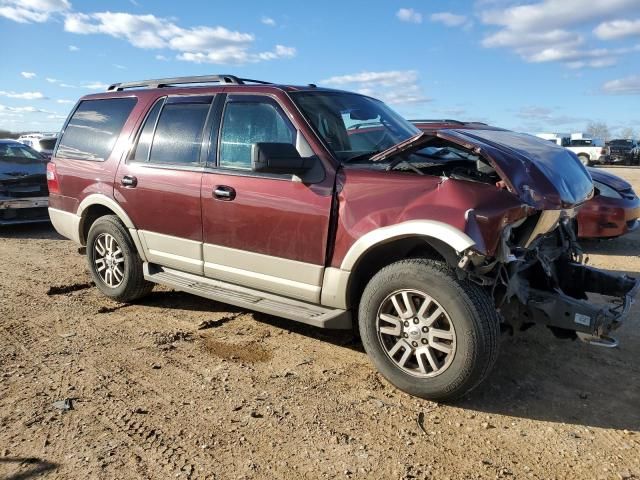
[{"x": 247, "y": 122}]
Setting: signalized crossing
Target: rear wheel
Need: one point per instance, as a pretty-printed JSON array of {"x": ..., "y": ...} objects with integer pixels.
[
  {"x": 586, "y": 161},
  {"x": 113, "y": 261},
  {"x": 428, "y": 333}
]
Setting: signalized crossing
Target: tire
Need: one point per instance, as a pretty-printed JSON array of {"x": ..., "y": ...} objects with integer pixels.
[
  {"x": 109, "y": 247},
  {"x": 586, "y": 161},
  {"x": 468, "y": 317}
]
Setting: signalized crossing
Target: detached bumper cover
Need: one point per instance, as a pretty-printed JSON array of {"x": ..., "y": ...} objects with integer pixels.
[{"x": 23, "y": 210}]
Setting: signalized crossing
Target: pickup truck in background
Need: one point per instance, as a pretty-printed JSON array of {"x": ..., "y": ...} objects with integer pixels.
[{"x": 589, "y": 150}]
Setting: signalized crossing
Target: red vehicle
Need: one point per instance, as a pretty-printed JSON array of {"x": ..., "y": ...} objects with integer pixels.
[
  {"x": 262, "y": 196},
  {"x": 614, "y": 210}
]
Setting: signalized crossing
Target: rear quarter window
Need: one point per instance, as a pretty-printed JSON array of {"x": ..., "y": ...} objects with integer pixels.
[{"x": 94, "y": 128}]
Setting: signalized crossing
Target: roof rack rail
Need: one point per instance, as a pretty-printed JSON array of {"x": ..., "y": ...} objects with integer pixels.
[
  {"x": 446, "y": 120},
  {"x": 168, "y": 82},
  {"x": 438, "y": 120}
]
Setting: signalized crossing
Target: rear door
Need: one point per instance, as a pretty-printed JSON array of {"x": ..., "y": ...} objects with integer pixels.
[
  {"x": 266, "y": 231},
  {"x": 159, "y": 183}
]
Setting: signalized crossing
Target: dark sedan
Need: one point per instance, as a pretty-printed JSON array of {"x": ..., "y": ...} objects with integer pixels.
[{"x": 24, "y": 197}]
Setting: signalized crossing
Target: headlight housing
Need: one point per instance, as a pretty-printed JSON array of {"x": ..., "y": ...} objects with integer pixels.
[{"x": 606, "y": 190}]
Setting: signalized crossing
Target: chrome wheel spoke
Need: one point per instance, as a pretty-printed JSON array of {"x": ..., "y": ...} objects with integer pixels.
[
  {"x": 100, "y": 264},
  {"x": 430, "y": 320},
  {"x": 100, "y": 248},
  {"x": 399, "y": 344},
  {"x": 403, "y": 305},
  {"x": 442, "y": 334},
  {"x": 395, "y": 329}
]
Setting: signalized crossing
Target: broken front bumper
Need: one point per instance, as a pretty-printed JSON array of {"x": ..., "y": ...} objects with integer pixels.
[
  {"x": 23, "y": 210},
  {"x": 573, "y": 308}
]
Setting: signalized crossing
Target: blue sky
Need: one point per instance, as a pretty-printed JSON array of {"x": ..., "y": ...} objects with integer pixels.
[{"x": 536, "y": 65}]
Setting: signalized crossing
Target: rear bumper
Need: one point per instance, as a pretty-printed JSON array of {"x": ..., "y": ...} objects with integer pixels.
[{"x": 14, "y": 211}]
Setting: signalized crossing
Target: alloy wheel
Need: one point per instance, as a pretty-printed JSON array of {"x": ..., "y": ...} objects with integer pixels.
[
  {"x": 108, "y": 260},
  {"x": 416, "y": 333}
]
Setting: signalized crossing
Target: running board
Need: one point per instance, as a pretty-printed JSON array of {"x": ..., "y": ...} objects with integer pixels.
[{"x": 244, "y": 297}]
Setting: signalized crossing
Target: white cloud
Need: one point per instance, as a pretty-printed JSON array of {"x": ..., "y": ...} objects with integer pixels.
[
  {"x": 388, "y": 78},
  {"x": 617, "y": 29},
  {"x": 409, "y": 15},
  {"x": 28, "y": 11},
  {"x": 28, "y": 109},
  {"x": 201, "y": 44},
  {"x": 552, "y": 14},
  {"x": 539, "y": 32},
  {"x": 73, "y": 48},
  {"x": 51, "y": 80},
  {"x": 450, "y": 19},
  {"x": 549, "y": 116},
  {"x": 23, "y": 95},
  {"x": 28, "y": 74},
  {"x": 394, "y": 86},
  {"x": 95, "y": 85},
  {"x": 623, "y": 86},
  {"x": 119, "y": 67},
  {"x": 162, "y": 58},
  {"x": 64, "y": 102},
  {"x": 268, "y": 21}
]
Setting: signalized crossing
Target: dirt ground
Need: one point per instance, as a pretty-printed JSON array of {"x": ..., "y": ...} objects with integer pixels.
[{"x": 254, "y": 396}]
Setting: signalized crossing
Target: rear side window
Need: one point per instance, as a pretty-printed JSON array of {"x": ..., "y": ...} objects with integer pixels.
[
  {"x": 172, "y": 132},
  {"x": 178, "y": 135},
  {"x": 94, "y": 128}
]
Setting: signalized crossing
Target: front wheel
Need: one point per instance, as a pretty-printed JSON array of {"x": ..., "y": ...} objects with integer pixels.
[{"x": 428, "y": 333}]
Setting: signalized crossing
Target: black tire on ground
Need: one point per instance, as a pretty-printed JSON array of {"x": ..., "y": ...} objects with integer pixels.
[
  {"x": 133, "y": 285},
  {"x": 470, "y": 310},
  {"x": 586, "y": 161}
]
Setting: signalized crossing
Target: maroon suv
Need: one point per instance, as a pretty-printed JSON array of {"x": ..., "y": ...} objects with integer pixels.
[{"x": 328, "y": 208}]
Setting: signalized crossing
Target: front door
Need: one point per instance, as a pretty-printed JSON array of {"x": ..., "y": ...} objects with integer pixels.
[
  {"x": 159, "y": 184},
  {"x": 268, "y": 232}
]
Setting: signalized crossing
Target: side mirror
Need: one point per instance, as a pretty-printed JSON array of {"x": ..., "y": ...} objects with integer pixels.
[{"x": 278, "y": 158}]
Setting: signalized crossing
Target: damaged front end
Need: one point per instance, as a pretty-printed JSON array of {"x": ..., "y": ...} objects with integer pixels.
[{"x": 538, "y": 276}]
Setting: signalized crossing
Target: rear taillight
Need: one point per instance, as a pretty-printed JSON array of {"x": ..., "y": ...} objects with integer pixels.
[{"x": 52, "y": 178}]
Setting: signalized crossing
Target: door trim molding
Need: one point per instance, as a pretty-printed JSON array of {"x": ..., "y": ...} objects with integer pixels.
[{"x": 273, "y": 274}]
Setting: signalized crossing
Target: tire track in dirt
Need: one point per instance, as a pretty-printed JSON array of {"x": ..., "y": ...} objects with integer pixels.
[{"x": 154, "y": 446}]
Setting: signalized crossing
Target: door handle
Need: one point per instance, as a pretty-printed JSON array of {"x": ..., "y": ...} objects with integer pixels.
[
  {"x": 222, "y": 192},
  {"x": 129, "y": 181}
]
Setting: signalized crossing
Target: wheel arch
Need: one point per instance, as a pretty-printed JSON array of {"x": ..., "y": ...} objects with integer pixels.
[
  {"x": 383, "y": 246},
  {"x": 98, "y": 205},
  {"x": 95, "y": 206}
]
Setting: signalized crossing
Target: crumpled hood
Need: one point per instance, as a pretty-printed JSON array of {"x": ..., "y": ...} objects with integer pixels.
[
  {"x": 542, "y": 174},
  {"x": 14, "y": 169},
  {"x": 609, "y": 179}
]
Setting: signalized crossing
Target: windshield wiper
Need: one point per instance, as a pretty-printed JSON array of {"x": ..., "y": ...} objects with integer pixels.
[
  {"x": 400, "y": 147},
  {"x": 361, "y": 156}
]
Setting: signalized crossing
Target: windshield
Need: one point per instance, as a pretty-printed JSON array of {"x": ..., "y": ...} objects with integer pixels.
[
  {"x": 18, "y": 150},
  {"x": 353, "y": 125}
]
